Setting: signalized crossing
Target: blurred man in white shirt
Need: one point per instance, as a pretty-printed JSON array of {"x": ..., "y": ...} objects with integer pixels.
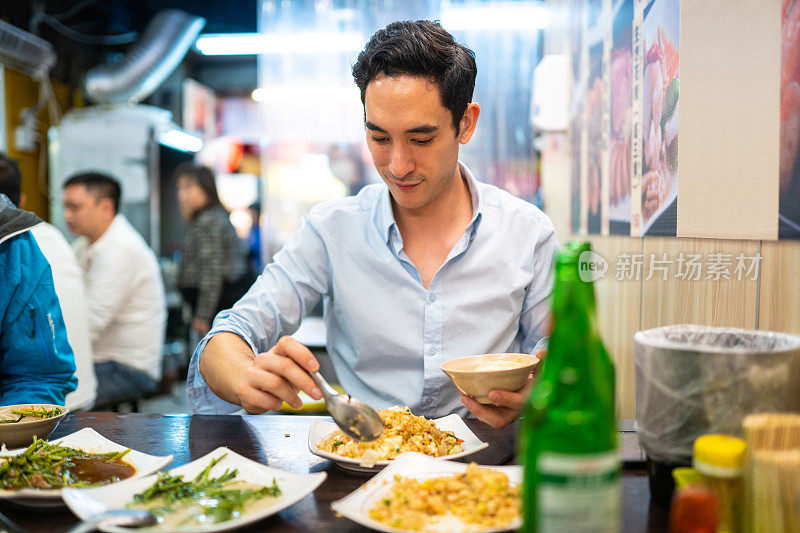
[
  {"x": 124, "y": 290},
  {"x": 68, "y": 282}
]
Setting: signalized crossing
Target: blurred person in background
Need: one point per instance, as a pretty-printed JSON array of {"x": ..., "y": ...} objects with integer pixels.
[
  {"x": 214, "y": 272},
  {"x": 254, "y": 240},
  {"x": 126, "y": 306},
  {"x": 68, "y": 281},
  {"x": 36, "y": 362}
]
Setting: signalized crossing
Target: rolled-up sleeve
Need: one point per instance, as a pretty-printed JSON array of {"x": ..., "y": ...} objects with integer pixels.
[{"x": 274, "y": 306}]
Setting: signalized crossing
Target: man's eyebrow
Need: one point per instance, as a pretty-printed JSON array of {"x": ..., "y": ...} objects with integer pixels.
[
  {"x": 374, "y": 127},
  {"x": 424, "y": 128}
]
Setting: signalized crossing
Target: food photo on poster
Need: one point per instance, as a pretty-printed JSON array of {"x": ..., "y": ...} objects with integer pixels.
[
  {"x": 661, "y": 33},
  {"x": 789, "y": 217},
  {"x": 595, "y": 91},
  {"x": 619, "y": 212}
]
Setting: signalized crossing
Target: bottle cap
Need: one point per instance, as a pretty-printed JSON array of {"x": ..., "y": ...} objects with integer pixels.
[{"x": 719, "y": 455}]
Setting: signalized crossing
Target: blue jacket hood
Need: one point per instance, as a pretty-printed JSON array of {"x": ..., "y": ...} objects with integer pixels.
[{"x": 14, "y": 220}]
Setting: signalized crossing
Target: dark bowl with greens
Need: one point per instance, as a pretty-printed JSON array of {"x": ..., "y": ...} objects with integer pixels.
[{"x": 20, "y": 423}]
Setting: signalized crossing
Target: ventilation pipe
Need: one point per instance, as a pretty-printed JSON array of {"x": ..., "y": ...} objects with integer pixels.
[
  {"x": 148, "y": 62},
  {"x": 24, "y": 51}
]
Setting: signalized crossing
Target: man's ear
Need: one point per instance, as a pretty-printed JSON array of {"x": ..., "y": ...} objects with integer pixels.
[
  {"x": 468, "y": 122},
  {"x": 107, "y": 204},
  {"x": 22, "y": 200}
]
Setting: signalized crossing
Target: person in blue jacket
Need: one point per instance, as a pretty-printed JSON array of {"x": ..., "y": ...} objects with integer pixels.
[{"x": 36, "y": 361}]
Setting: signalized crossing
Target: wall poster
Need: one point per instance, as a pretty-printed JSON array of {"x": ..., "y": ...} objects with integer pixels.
[
  {"x": 595, "y": 98},
  {"x": 576, "y": 112},
  {"x": 789, "y": 181},
  {"x": 733, "y": 70},
  {"x": 621, "y": 87},
  {"x": 660, "y": 34},
  {"x": 625, "y": 164}
]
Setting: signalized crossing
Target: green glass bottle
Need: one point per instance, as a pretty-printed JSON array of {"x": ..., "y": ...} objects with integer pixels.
[
  {"x": 583, "y": 250},
  {"x": 568, "y": 438}
]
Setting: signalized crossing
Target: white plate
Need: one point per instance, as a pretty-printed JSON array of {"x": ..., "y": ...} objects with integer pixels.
[
  {"x": 294, "y": 487},
  {"x": 90, "y": 441},
  {"x": 357, "y": 504},
  {"x": 320, "y": 429}
]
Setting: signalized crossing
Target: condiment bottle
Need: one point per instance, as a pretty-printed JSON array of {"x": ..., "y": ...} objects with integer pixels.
[
  {"x": 568, "y": 438},
  {"x": 694, "y": 509},
  {"x": 720, "y": 461}
]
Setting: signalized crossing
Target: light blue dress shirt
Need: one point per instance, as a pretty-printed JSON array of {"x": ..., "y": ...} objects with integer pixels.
[{"x": 386, "y": 333}]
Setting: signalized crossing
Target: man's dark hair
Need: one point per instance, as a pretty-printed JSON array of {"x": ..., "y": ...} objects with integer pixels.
[
  {"x": 420, "y": 48},
  {"x": 204, "y": 178},
  {"x": 10, "y": 179},
  {"x": 100, "y": 185}
]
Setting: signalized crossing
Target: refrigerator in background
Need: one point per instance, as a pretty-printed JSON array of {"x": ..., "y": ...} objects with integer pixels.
[{"x": 138, "y": 145}]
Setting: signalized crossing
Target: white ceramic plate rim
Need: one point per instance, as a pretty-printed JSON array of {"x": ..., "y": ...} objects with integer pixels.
[
  {"x": 356, "y": 505},
  {"x": 320, "y": 429},
  {"x": 88, "y": 440},
  {"x": 87, "y": 502}
]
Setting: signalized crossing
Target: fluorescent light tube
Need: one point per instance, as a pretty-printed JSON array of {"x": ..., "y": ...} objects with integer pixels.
[
  {"x": 180, "y": 140},
  {"x": 215, "y": 44},
  {"x": 496, "y": 16}
]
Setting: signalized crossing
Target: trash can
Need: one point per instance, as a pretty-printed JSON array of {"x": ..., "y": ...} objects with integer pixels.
[{"x": 692, "y": 380}]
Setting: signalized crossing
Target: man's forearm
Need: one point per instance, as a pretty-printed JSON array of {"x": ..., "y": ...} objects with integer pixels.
[{"x": 223, "y": 364}]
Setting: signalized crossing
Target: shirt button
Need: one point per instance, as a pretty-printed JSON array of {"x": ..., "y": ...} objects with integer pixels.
[
  {"x": 432, "y": 297},
  {"x": 432, "y": 351}
]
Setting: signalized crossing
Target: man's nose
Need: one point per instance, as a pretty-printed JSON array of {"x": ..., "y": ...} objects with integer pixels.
[{"x": 401, "y": 163}]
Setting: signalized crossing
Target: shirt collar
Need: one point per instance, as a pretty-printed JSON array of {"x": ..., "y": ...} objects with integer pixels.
[
  {"x": 118, "y": 221},
  {"x": 385, "y": 217}
]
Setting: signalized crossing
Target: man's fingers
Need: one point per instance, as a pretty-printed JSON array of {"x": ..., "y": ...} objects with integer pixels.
[
  {"x": 297, "y": 351},
  {"x": 277, "y": 376},
  {"x": 509, "y": 400},
  {"x": 512, "y": 400},
  {"x": 285, "y": 373},
  {"x": 497, "y": 417},
  {"x": 257, "y": 402},
  {"x": 263, "y": 377}
]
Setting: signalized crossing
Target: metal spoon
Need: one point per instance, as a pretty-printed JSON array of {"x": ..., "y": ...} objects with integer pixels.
[
  {"x": 356, "y": 419},
  {"x": 119, "y": 517}
]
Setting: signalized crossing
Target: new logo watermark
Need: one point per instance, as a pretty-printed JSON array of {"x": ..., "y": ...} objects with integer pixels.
[
  {"x": 693, "y": 267},
  {"x": 591, "y": 266}
]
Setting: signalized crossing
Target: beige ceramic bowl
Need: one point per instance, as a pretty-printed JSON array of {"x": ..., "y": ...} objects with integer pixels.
[
  {"x": 19, "y": 434},
  {"x": 476, "y": 375}
]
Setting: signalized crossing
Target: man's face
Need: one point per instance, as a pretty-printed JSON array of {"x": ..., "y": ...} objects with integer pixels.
[
  {"x": 412, "y": 140},
  {"x": 84, "y": 213}
]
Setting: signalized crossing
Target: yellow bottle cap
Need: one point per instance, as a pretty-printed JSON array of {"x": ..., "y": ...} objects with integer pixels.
[
  {"x": 685, "y": 476},
  {"x": 719, "y": 451}
]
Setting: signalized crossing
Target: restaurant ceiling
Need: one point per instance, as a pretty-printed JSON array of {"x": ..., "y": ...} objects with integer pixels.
[{"x": 75, "y": 28}]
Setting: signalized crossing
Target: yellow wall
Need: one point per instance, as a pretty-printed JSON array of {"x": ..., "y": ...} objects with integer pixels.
[{"x": 22, "y": 92}]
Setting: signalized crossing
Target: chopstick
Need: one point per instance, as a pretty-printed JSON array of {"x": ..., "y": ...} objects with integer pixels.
[{"x": 6, "y": 524}]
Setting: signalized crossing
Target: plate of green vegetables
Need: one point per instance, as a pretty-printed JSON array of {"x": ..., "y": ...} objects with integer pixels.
[
  {"x": 37, "y": 474},
  {"x": 217, "y": 492}
]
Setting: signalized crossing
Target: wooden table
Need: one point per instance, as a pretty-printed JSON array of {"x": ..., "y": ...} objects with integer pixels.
[{"x": 281, "y": 442}]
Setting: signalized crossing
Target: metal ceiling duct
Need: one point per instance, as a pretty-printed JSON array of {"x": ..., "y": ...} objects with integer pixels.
[
  {"x": 148, "y": 62},
  {"x": 24, "y": 51}
]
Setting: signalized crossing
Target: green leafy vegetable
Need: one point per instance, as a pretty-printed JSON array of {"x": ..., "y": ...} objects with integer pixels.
[
  {"x": 48, "y": 466},
  {"x": 34, "y": 412},
  {"x": 171, "y": 491}
]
